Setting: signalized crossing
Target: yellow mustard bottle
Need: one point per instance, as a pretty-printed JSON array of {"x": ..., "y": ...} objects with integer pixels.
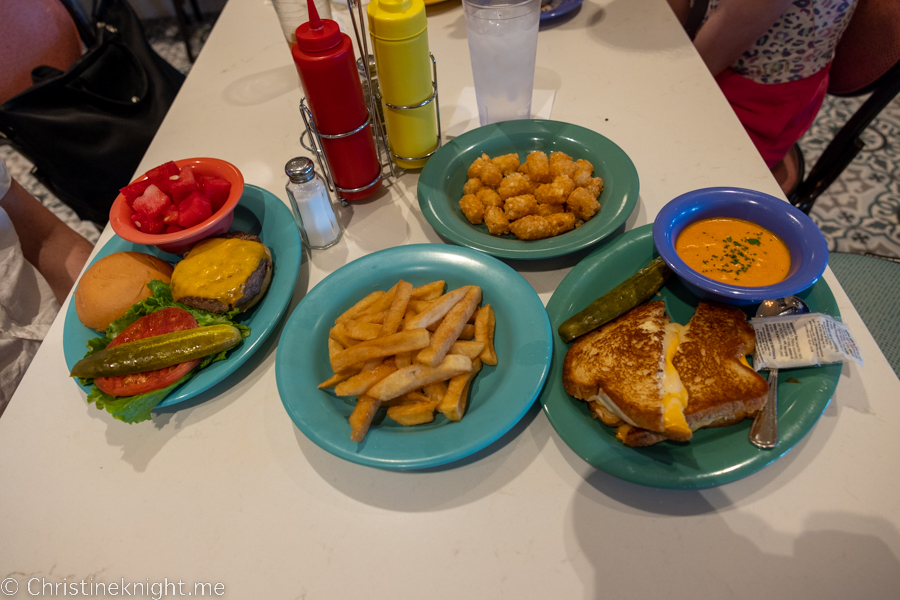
[{"x": 399, "y": 31}]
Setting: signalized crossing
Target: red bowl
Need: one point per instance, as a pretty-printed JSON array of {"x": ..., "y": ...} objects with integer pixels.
[{"x": 182, "y": 241}]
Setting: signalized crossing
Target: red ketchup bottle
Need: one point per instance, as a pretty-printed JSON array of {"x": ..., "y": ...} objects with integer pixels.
[{"x": 327, "y": 67}]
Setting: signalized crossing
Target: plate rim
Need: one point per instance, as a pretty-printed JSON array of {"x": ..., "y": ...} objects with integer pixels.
[
  {"x": 560, "y": 407},
  {"x": 505, "y": 247},
  {"x": 342, "y": 448},
  {"x": 288, "y": 268}
]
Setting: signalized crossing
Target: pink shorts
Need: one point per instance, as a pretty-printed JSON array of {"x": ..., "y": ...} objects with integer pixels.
[{"x": 774, "y": 115}]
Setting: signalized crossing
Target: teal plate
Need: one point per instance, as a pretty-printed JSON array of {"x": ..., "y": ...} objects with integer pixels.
[
  {"x": 499, "y": 395},
  {"x": 714, "y": 456},
  {"x": 260, "y": 213},
  {"x": 441, "y": 183}
]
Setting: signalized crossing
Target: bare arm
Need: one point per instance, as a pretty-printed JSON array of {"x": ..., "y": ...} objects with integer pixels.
[
  {"x": 57, "y": 251},
  {"x": 733, "y": 27}
]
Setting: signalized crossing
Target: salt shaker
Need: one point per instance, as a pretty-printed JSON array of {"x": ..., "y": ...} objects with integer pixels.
[{"x": 311, "y": 205}]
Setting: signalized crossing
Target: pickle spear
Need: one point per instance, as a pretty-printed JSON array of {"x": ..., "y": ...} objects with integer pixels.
[
  {"x": 151, "y": 353},
  {"x": 635, "y": 290}
]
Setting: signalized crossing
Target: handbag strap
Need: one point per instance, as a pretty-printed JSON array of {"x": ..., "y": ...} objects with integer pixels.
[{"x": 111, "y": 42}]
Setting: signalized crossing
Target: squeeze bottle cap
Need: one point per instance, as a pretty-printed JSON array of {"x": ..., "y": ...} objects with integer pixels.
[
  {"x": 396, "y": 19},
  {"x": 317, "y": 35}
]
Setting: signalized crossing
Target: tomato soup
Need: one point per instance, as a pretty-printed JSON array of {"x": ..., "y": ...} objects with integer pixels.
[{"x": 734, "y": 251}]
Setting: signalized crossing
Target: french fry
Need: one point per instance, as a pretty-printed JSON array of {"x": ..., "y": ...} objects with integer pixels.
[
  {"x": 453, "y": 405},
  {"x": 362, "y": 381},
  {"x": 403, "y": 341},
  {"x": 437, "y": 309},
  {"x": 404, "y": 359},
  {"x": 429, "y": 291},
  {"x": 335, "y": 379},
  {"x": 485, "y": 323},
  {"x": 435, "y": 391},
  {"x": 415, "y": 413},
  {"x": 407, "y": 398},
  {"x": 358, "y": 308},
  {"x": 361, "y": 417},
  {"x": 340, "y": 334},
  {"x": 468, "y": 332},
  {"x": 450, "y": 328},
  {"x": 382, "y": 303},
  {"x": 397, "y": 310},
  {"x": 373, "y": 318},
  {"x": 334, "y": 346},
  {"x": 360, "y": 330},
  {"x": 471, "y": 349},
  {"x": 419, "y": 305},
  {"x": 417, "y": 375}
]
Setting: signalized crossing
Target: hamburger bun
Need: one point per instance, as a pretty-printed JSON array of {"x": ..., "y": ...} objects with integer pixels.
[
  {"x": 223, "y": 273},
  {"x": 114, "y": 283}
]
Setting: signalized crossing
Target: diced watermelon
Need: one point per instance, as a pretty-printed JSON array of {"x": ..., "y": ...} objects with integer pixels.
[
  {"x": 165, "y": 170},
  {"x": 184, "y": 185},
  {"x": 133, "y": 190},
  {"x": 173, "y": 229},
  {"x": 217, "y": 190},
  {"x": 153, "y": 202},
  {"x": 170, "y": 215},
  {"x": 147, "y": 224},
  {"x": 161, "y": 176},
  {"x": 193, "y": 210}
]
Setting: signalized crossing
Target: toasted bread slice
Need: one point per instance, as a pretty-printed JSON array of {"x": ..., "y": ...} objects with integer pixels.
[
  {"x": 623, "y": 361},
  {"x": 722, "y": 389}
]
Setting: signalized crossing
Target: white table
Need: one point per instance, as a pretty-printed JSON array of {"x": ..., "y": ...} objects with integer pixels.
[{"x": 227, "y": 490}]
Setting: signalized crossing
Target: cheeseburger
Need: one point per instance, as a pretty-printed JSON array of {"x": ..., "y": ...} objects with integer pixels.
[{"x": 223, "y": 273}]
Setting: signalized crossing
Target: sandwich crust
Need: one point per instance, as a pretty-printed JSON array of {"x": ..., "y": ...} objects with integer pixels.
[{"x": 623, "y": 360}]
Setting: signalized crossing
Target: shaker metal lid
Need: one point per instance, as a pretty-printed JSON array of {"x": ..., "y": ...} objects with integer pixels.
[{"x": 300, "y": 169}]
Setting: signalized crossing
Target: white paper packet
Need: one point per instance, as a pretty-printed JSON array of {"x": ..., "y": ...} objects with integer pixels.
[{"x": 812, "y": 339}]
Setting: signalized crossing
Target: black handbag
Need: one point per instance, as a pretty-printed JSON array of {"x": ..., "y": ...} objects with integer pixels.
[{"x": 87, "y": 129}]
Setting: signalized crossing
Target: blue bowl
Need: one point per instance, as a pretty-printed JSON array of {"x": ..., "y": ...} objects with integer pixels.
[{"x": 807, "y": 245}]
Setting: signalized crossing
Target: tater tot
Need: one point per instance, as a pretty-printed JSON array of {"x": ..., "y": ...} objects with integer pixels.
[
  {"x": 545, "y": 194},
  {"x": 532, "y": 227},
  {"x": 514, "y": 184},
  {"x": 508, "y": 163},
  {"x": 489, "y": 197},
  {"x": 585, "y": 164},
  {"x": 475, "y": 168},
  {"x": 538, "y": 166},
  {"x": 594, "y": 186},
  {"x": 490, "y": 174},
  {"x": 561, "y": 222},
  {"x": 472, "y": 186},
  {"x": 523, "y": 168},
  {"x": 563, "y": 185},
  {"x": 545, "y": 210},
  {"x": 582, "y": 204},
  {"x": 581, "y": 177},
  {"x": 472, "y": 208},
  {"x": 496, "y": 221},
  {"x": 562, "y": 167},
  {"x": 559, "y": 156},
  {"x": 520, "y": 206}
]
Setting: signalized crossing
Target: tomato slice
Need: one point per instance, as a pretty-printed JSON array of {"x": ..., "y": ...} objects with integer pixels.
[{"x": 162, "y": 321}]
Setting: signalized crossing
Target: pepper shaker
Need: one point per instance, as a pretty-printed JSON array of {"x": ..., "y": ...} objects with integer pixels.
[{"x": 311, "y": 204}]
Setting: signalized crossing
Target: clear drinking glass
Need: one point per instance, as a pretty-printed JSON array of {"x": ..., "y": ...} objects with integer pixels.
[
  {"x": 503, "y": 47},
  {"x": 293, "y": 13}
]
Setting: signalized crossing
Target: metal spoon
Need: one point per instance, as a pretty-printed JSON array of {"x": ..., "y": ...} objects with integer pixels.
[{"x": 764, "y": 431}]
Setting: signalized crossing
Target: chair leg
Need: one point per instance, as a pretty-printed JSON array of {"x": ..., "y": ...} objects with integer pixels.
[
  {"x": 846, "y": 144},
  {"x": 182, "y": 27}
]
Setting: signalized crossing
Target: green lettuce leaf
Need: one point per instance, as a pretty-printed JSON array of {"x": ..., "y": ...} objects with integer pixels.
[{"x": 134, "y": 409}]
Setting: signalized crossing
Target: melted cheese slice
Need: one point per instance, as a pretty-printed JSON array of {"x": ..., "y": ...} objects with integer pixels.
[
  {"x": 675, "y": 396},
  {"x": 217, "y": 268}
]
